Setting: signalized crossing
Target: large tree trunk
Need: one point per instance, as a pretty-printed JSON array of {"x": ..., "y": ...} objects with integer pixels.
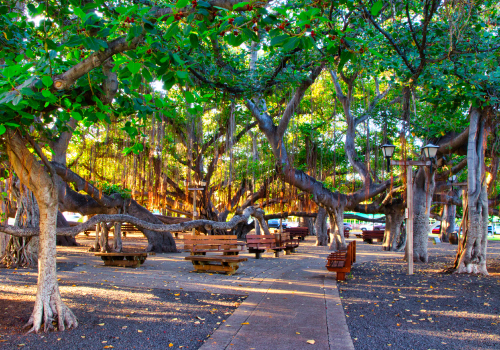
[
  {"x": 337, "y": 229},
  {"x": 422, "y": 198},
  {"x": 320, "y": 228},
  {"x": 448, "y": 222},
  {"x": 393, "y": 220},
  {"x": 48, "y": 303},
  {"x": 472, "y": 258},
  {"x": 23, "y": 251}
]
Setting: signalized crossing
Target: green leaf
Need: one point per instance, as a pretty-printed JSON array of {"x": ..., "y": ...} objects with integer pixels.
[
  {"x": 2, "y": 129},
  {"x": 376, "y": 8},
  {"x": 278, "y": 40},
  {"x": 189, "y": 97},
  {"x": 181, "y": 3},
  {"x": 376, "y": 53},
  {"x": 47, "y": 81},
  {"x": 193, "y": 38},
  {"x": 134, "y": 67},
  {"x": 172, "y": 30},
  {"x": 241, "y": 4},
  {"x": 291, "y": 44},
  {"x": 344, "y": 58},
  {"x": 134, "y": 32},
  {"x": 182, "y": 74},
  {"x": 76, "y": 115}
]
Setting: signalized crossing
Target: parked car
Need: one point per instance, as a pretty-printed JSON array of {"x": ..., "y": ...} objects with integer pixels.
[
  {"x": 493, "y": 230},
  {"x": 73, "y": 217},
  {"x": 347, "y": 226},
  {"x": 379, "y": 227},
  {"x": 275, "y": 223},
  {"x": 436, "y": 229}
]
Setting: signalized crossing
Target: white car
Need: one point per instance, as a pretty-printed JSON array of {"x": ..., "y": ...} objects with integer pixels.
[{"x": 74, "y": 217}]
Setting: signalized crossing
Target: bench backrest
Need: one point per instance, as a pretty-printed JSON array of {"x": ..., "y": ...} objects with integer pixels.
[
  {"x": 297, "y": 229},
  {"x": 261, "y": 239},
  {"x": 374, "y": 232},
  {"x": 212, "y": 243}
]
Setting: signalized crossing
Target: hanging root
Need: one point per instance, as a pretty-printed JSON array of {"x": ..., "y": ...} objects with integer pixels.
[{"x": 45, "y": 313}]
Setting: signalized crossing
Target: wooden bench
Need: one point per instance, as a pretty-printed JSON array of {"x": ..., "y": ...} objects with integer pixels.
[
  {"x": 369, "y": 236},
  {"x": 123, "y": 259},
  {"x": 299, "y": 232},
  {"x": 258, "y": 244},
  {"x": 223, "y": 250},
  {"x": 341, "y": 261},
  {"x": 285, "y": 242}
]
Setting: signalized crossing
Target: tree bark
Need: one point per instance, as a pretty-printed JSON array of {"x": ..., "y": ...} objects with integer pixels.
[
  {"x": 117, "y": 238},
  {"x": 423, "y": 190},
  {"x": 337, "y": 229},
  {"x": 48, "y": 303},
  {"x": 321, "y": 228},
  {"x": 472, "y": 258},
  {"x": 393, "y": 220},
  {"x": 448, "y": 222}
]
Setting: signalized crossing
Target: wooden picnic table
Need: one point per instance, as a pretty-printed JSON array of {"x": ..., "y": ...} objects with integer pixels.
[{"x": 216, "y": 253}]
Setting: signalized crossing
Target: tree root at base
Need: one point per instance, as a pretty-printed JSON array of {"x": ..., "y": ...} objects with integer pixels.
[{"x": 50, "y": 313}]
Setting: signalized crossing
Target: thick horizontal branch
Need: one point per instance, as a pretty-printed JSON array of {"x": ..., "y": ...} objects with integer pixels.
[{"x": 182, "y": 226}]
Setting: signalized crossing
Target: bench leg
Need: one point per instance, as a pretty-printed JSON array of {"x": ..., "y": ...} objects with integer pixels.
[
  {"x": 293, "y": 250},
  {"x": 258, "y": 255},
  {"x": 176, "y": 235},
  {"x": 340, "y": 276},
  {"x": 276, "y": 253},
  {"x": 287, "y": 252}
]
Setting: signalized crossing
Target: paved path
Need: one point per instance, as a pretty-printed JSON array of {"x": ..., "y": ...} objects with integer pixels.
[{"x": 291, "y": 300}]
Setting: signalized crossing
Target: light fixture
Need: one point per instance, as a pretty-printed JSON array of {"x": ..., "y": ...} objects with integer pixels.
[
  {"x": 388, "y": 151},
  {"x": 452, "y": 178},
  {"x": 430, "y": 150},
  {"x": 203, "y": 183}
]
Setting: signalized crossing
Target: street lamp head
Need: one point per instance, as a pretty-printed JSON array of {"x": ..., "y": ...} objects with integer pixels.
[
  {"x": 203, "y": 183},
  {"x": 388, "y": 150},
  {"x": 430, "y": 150},
  {"x": 452, "y": 178}
]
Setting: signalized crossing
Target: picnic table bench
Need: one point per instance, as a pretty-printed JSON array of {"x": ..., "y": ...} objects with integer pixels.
[
  {"x": 224, "y": 251},
  {"x": 300, "y": 232},
  {"x": 341, "y": 261},
  {"x": 258, "y": 244},
  {"x": 369, "y": 236},
  {"x": 286, "y": 242},
  {"x": 123, "y": 259}
]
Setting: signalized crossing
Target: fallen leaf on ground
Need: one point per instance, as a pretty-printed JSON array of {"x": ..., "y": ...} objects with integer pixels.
[
  {"x": 297, "y": 333},
  {"x": 245, "y": 323},
  {"x": 311, "y": 341},
  {"x": 101, "y": 324}
]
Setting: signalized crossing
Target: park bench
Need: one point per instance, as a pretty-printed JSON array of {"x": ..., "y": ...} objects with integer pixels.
[
  {"x": 223, "y": 250},
  {"x": 285, "y": 242},
  {"x": 299, "y": 232},
  {"x": 260, "y": 243},
  {"x": 369, "y": 236},
  {"x": 341, "y": 261},
  {"x": 123, "y": 259}
]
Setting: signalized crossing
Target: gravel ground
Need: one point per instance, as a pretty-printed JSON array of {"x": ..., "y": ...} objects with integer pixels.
[
  {"x": 387, "y": 309},
  {"x": 116, "y": 317}
]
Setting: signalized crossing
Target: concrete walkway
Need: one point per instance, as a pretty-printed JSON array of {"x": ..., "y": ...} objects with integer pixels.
[{"x": 292, "y": 301}]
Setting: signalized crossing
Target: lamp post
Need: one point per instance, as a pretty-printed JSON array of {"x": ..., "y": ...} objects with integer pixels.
[
  {"x": 409, "y": 197},
  {"x": 388, "y": 151},
  {"x": 430, "y": 152}
]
